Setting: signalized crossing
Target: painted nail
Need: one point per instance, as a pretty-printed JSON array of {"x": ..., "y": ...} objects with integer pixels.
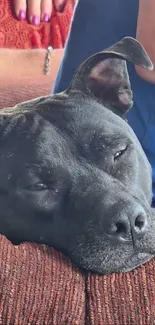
[
  {"x": 46, "y": 18},
  {"x": 61, "y": 7},
  {"x": 22, "y": 15},
  {"x": 35, "y": 20}
]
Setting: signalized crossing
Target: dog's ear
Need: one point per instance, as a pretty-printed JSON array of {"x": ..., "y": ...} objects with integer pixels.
[{"x": 105, "y": 77}]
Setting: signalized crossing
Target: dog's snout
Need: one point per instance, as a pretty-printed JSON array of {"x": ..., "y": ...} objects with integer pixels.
[{"x": 131, "y": 223}]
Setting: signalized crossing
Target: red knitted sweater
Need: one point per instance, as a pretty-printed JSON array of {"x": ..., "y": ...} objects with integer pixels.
[{"x": 16, "y": 34}]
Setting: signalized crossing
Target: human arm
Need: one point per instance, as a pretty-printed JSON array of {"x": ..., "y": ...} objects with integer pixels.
[
  {"x": 146, "y": 35},
  {"x": 26, "y": 63}
]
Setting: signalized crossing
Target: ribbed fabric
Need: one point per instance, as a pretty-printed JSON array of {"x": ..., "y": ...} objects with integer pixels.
[
  {"x": 14, "y": 91},
  {"x": 122, "y": 299},
  {"x": 22, "y": 35},
  {"x": 40, "y": 286}
]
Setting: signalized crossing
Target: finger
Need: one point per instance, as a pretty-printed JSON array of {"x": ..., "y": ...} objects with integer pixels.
[
  {"x": 34, "y": 11},
  {"x": 46, "y": 10},
  {"x": 20, "y": 9},
  {"x": 59, "y": 4},
  {"x": 74, "y": 2}
]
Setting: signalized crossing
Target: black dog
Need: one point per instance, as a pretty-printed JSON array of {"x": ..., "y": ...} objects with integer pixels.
[{"x": 73, "y": 174}]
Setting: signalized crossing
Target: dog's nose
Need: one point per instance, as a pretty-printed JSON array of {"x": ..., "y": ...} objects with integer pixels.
[{"x": 129, "y": 225}]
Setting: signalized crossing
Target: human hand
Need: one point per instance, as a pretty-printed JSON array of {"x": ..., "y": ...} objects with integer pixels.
[{"x": 37, "y": 10}]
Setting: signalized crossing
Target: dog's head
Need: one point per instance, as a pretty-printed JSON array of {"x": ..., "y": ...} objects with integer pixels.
[{"x": 73, "y": 174}]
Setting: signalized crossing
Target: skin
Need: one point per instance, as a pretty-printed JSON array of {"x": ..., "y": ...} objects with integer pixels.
[
  {"x": 38, "y": 8},
  {"x": 146, "y": 35}
]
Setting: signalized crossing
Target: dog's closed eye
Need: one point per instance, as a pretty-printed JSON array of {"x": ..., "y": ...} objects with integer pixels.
[
  {"x": 41, "y": 187},
  {"x": 119, "y": 153},
  {"x": 36, "y": 178}
]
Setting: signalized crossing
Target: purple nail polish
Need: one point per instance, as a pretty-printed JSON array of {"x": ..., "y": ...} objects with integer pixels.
[
  {"x": 61, "y": 7},
  {"x": 22, "y": 15},
  {"x": 35, "y": 20},
  {"x": 46, "y": 18}
]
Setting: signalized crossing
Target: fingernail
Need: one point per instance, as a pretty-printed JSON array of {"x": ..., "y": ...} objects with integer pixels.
[
  {"x": 35, "y": 20},
  {"x": 22, "y": 15},
  {"x": 46, "y": 18},
  {"x": 61, "y": 7}
]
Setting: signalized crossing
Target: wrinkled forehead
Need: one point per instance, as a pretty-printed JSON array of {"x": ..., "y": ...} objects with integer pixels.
[
  {"x": 53, "y": 126},
  {"x": 29, "y": 137},
  {"x": 80, "y": 115}
]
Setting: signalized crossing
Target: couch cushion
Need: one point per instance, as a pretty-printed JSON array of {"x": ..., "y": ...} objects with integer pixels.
[
  {"x": 14, "y": 91},
  {"x": 40, "y": 286}
]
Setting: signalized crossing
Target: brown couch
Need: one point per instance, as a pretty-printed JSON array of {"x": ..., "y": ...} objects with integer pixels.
[{"x": 40, "y": 286}]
